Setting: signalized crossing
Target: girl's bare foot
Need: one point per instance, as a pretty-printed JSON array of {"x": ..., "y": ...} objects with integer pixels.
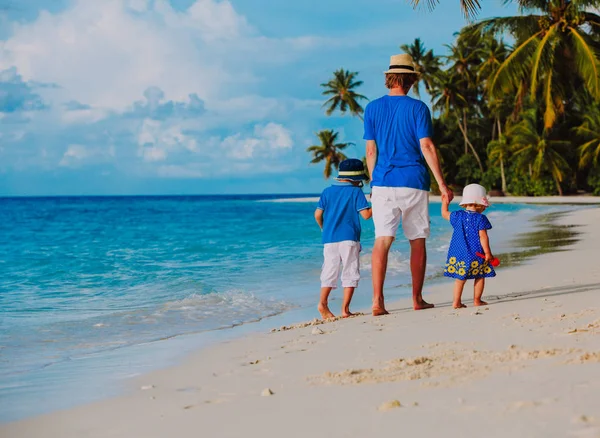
[
  {"x": 378, "y": 311},
  {"x": 325, "y": 312},
  {"x": 479, "y": 303},
  {"x": 347, "y": 314},
  {"x": 459, "y": 305}
]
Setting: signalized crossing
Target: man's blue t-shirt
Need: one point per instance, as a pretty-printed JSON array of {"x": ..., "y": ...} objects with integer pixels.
[
  {"x": 397, "y": 123},
  {"x": 341, "y": 203}
]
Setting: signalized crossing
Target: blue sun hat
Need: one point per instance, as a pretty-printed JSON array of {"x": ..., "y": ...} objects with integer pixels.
[{"x": 352, "y": 169}]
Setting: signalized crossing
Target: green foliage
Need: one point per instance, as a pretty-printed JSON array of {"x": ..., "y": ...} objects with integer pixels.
[
  {"x": 523, "y": 119},
  {"x": 593, "y": 180}
]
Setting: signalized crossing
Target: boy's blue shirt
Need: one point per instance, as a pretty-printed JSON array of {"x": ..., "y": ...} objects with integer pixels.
[
  {"x": 341, "y": 203},
  {"x": 397, "y": 124}
]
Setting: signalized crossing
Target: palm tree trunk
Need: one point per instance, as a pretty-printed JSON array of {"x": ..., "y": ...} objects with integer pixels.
[
  {"x": 469, "y": 144},
  {"x": 503, "y": 177},
  {"x": 465, "y": 130},
  {"x": 502, "y": 174},
  {"x": 560, "y": 192}
]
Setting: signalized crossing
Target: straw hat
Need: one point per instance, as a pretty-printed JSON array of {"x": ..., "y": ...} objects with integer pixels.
[
  {"x": 402, "y": 64},
  {"x": 474, "y": 194}
]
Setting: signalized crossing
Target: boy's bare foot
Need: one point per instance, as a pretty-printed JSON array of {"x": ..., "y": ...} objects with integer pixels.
[
  {"x": 347, "y": 314},
  {"x": 378, "y": 311},
  {"x": 422, "y": 305},
  {"x": 480, "y": 303},
  {"x": 325, "y": 312},
  {"x": 459, "y": 305}
]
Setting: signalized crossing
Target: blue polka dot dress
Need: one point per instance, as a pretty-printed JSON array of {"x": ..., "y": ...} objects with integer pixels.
[{"x": 462, "y": 263}]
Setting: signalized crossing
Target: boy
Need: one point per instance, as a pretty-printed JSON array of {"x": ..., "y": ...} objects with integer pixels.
[{"x": 337, "y": 215}]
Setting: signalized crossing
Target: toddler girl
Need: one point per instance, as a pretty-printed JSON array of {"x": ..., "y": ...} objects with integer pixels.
[{"x": 469, "y": 238}]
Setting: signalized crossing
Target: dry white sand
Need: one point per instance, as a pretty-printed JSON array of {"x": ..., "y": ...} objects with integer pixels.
[{"x": 526, "y": 365}]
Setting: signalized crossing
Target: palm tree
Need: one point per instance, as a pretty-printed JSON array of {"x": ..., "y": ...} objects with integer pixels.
[
  {"x": 469, "y": 7},
  {"x": 498, "y": 152},
  {"x": 535, "y": 151},
  {"x": 343, "y": 97},
  {"x": 455, "y": 89},
  {"x": 426, "y": 64},
  {"x": 328, "y": 151},
  {"x": 556, "y": 52},
  {"x": 589, "y": 133}
]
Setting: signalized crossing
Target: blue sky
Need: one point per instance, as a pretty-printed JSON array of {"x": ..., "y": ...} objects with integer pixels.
[{"x": 188, "y": 96}]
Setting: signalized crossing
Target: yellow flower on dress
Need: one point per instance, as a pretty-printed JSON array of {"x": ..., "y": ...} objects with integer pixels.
[
  {"x": 474, "y": 264},
  {"x": 451, "y": 269},
  {"x": 462, "y": 271},
  {"x": 452, "y": 260},
  {"x": 487, "y": 270},
  {"x": 475, "y": 271}
]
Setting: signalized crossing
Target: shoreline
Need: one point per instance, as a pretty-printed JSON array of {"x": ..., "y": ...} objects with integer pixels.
[
  {"x": 227, "y": 378},
  {"x": 549, "y": 200}
]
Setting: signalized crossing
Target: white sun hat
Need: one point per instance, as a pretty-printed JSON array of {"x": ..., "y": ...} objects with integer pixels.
[
  {"x": 475, "y": 194},
  {"x": 402, "y": 63}
]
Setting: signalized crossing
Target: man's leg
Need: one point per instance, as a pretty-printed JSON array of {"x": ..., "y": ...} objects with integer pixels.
[
  {"x": 379, "y": 260},
  {"x": 418, "y": 263}
]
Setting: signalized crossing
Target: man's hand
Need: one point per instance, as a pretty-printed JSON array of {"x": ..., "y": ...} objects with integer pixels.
[{"x": 446, "y": 193}]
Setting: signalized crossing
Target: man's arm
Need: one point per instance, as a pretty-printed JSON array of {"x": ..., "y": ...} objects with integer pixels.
[
  {"x": 371, "y": 156},
  {"x": 430, "y": 154},
  {"x": 319, "y": 217},
  {"x": 366, "y": 213}
]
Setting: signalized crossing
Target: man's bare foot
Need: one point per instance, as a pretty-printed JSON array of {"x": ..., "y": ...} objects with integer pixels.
[
  {"x": 459, "y": 305},
  {"x": 378, "y": 311},
  {"x": 325, "y": 312},
  {"x": 480, "y": 303},
  {"x": 422, "y": 305},
  {"x": 347, "y": 314}
]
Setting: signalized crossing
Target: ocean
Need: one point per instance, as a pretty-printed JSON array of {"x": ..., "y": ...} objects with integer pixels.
[{"x": 95, "y": 290}]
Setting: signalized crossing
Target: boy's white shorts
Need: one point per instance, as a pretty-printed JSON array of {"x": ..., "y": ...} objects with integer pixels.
[
  {"x": 345, "y": 253},
  {"x": 393, "y": 204}
]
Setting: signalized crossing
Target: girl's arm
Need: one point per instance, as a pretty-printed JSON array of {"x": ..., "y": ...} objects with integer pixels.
[
  {"x": 445, "y": 211},
  {"x": 485, "y": 243}
]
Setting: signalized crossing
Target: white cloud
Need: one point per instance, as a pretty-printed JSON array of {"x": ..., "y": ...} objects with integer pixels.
[
  {"x": 267, "y": 139},
  {"x": 107, "y": 53},
  {"x": 77, "y": 154},
  {"x": 156, "y": 139}
]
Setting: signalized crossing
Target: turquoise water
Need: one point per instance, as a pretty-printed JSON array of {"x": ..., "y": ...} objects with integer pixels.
[{"x": 87, "y": 281}]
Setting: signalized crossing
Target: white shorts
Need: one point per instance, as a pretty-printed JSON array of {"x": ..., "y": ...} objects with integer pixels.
[
  {"x": 392, "y": 204},
  {"x": 346, "y": 253}
]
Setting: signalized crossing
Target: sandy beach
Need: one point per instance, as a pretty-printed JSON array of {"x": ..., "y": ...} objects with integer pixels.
[{"x": 526, "y": 365}]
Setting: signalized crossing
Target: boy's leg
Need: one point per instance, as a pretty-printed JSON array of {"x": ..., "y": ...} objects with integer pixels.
[
  {"x": 348, "y": 292},
  {"x": 478, "y": 288},
  {"x": 458, "y": 290},
  {"x": 323, "y": 303},
  {"x": 350, "y": 254},
  {"x": 329, "y": 277}
]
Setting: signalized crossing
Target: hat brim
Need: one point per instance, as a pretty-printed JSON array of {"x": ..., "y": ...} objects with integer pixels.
[
  {"x": 474, "y": 201},
  {"x": 402, "y": 70},
  {"x": 352, "y": 178}
]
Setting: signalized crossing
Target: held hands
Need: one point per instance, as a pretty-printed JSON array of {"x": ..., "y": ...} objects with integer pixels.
[{"x": 447, "y": 195}]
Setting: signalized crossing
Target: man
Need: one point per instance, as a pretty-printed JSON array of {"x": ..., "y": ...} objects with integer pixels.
[{"x": 398, "y": 131}]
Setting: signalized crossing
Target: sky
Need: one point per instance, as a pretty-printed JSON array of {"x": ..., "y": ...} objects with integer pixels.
[{"x": 148, "y": 97}]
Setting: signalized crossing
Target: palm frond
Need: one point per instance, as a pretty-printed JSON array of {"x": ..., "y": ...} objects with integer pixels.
[{"x": 586, "y": 61}]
